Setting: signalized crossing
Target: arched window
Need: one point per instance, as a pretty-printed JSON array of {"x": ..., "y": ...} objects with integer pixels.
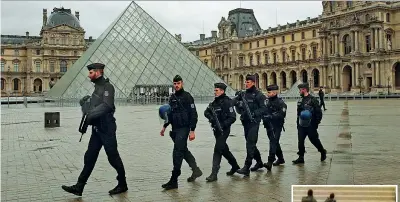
[
  {"x": 346, "y": 44},
  {"x": 63, "y": 66},
  {"x": 3, "y": 84},
  {"x": 16, "y": 84}
]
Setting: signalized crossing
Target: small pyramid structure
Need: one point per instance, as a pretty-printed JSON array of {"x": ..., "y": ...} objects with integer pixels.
[{"x": 138, "y": 52}]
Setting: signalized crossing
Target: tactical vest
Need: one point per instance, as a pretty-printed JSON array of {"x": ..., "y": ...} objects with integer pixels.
[
  {"x": 179, "y": 114},
  {"x": 253, "y": 105}
]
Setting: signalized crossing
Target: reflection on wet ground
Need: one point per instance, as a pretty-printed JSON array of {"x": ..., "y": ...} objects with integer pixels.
[{"x": 361, "y": 138}]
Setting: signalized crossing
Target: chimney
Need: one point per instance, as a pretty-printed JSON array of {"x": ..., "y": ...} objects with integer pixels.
[
  {"x": 27, "y": 34},
  {"x": 77, "y": 14},
  {"x": 44, "y": 17},
  {"x": 202, "y": 36},
  {"x": 214, "y": 34},
  {"x": 90, "y": 38}
]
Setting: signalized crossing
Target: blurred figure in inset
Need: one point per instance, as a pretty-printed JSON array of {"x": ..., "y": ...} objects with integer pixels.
[
  {"x": 331, "y": 198},
  {"x": 309, "y": 197},
  {"x": 321, "y": 97}
]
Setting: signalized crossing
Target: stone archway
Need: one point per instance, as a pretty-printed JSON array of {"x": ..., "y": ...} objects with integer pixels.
[
  {"x": 273, "y": 78},
  {"x": 396, "y": 78},
  {"x": 265, "y": 80},
  {"x": 304, "y": 76},
  {"x": 241, "y": 82},
  {"x": 257, "y": 80},
  {"x": 315, "y": 74},
  {"x": 293, "y": 77},
  {"x": 283, "y": 80},
  {"x": 347, "y": 78},
  {"x": 37, "y": 85}
]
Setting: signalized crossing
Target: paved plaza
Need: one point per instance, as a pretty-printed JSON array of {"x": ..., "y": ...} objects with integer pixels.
[{"x": 361, "y": 137}]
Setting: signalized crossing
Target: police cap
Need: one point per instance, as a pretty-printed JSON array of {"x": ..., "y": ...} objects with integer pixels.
[
  {"x": 272, "y": 87},
  {"x": 303, "y": 85},
  {"x": 251, "y": 78},
  {"x": 177, "y": 78},
  {"x": 220, "y": 85},
  {"x": 95, "y": 66}
]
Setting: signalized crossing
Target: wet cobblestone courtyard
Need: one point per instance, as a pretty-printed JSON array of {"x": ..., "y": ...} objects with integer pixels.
[{"x": 361, "y": 137}]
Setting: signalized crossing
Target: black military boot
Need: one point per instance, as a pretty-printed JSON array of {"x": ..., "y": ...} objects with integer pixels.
[
  {"x": 268, "y": 165},
  {"x": 120, "y": 188},
  {"x": 76, "y": 189},
  {"x": 244, "y": 171},
  {"x": 279, "y": 162},
  {"x": 257, "y": 166},
  {"x": 233, "y": 170},
  {"x": 196, "y": 172},
  {"x": 173, "y": 181},
  {"x": 299, "y": 160},
  {"x": 323, "y": 155},
  {"x": 214, "y": 175}
]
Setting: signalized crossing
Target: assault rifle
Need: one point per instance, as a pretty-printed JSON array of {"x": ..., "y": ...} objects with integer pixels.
[
  {"x": 85, "y": 107},
  {"x": 219, "y": 127},
  {"x": 241, "y": 97}
]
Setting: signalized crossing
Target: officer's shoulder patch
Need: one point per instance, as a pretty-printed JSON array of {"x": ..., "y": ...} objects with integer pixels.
[
  {"x": 106, "y": 93},
  {"x": 230, "y": 109},
  {"x": 192, "y": 106}
]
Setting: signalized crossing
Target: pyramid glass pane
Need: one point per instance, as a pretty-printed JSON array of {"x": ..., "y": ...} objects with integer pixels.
[{"x": 138, "y": 52}]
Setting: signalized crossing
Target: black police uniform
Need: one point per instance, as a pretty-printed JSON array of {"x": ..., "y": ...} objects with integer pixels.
[
  {"x": 310, "y": 103},
  {"x": 183, "y": 118},
  {"x": 256, "y": 102},
  {"x": 226, "y": 115},
  {"x": 321, "y": 98},
  {"x": 273, "y": 122},
  {"x": 101, "y": 117}
]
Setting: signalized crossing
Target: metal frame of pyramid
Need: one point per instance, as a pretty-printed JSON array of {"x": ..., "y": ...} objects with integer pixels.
[{"x": 138, "y": 51}]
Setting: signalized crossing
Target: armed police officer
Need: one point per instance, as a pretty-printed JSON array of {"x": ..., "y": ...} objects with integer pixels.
[
  {"x": 101, "y": 117},
  {"x": 273, "y": 121},
  {"x": 321, "y": 98},
  {"x": 309, "y": 116},
  {"x": 251, "y": 105},
  {"x": 183, "y": 118},
  {"x": 221, "y": 115}
]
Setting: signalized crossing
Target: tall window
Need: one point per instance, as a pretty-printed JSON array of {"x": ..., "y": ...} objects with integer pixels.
[
  {"x": 51, "y": 66},
  {"x": 37, "y": 66},
  {"x": 303, "y": 35},
  {"x": 3, "y": 84},
  {"x": 331, "y": 47},
  {"x": 63, "y": 66},
  {"x": 367, "y": 43},
  {"x": 251, "y": 60},
  {"x": 258, "y": 44},
  {"x": 265, "y": 42},
  {"x": 283, "y": 56},
  {"x": 347, "y": 44},
  {"x": 314, "y": 52},
  {"x": 2, "y": 66},
  {"x": 266, "y": 58},
  {"x": 387, "y": 17},
  {"x": 293, "y": 55},
  {"x": 274, "y": 40},
  {"x": 283, "y": 39},
  {"x": 292, "y": 37},
  {"x": 251, "y": 45},
  {"x": 274, "y": 55},
  {"x": 240, "y": 61},
  {"x": 16, "y": 67},
  {"x": 258, "y": 60},
  {"x": 303, "y": 53},
  {"x": 314, "y": 33},
  {"x": 15, "y": 84}
]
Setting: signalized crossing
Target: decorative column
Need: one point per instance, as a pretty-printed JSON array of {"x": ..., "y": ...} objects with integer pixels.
[
  {"x": 378, "y": 75},
  {"x": 334, "y": 45},
  {"x": 353, "y": 73},
  {"x": 357, "y": 65},
  {"x": 373, "y": 73},
  {"x": 357, "y": 38},
  {"x": 337, "y": 45},
  {"x": 381, "y": 37},
  {"x": 376, "y": 38},
  {"x": 353, "y": 41}
]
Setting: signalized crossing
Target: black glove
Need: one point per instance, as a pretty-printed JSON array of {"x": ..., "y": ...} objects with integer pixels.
[{"x": 83, "y": 100}]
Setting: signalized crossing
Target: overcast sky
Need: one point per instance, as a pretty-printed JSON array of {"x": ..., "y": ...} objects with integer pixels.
[{"x": 178, "y": 17}]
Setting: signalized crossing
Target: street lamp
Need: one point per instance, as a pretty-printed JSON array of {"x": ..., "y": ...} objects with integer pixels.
[{"x": 360, "y": 79}]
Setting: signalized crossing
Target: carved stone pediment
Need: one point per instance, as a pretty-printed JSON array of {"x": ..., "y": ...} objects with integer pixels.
[
  {"x": 273, "y": 50},
  {"x": 250, "y": 53},
  {"x": 292, "y": 47},
  {"x": 303, "y": 45},
  {"x": 257, "y": 53},
  {"x": 265, "y": 51},
  {"x": 241, "y": 55}
]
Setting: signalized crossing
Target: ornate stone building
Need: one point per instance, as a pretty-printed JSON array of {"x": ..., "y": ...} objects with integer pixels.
[
  {"x": 352, "y": 46},
  {"x": 32, "y": 64}
]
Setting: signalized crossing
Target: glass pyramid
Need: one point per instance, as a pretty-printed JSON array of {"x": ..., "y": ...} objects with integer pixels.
[{"x": 138, "y": 51}]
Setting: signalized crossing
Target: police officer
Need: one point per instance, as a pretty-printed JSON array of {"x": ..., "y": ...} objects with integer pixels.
[
  {"x": 309, "y": 116},
  {"x": 183, "y": 118},
  {"x": 321, "y": 98},
  {"x": 273, "y": 121},
  {"x": 251, "y": 122},
  {"x": 225, "y": 115},
  {"x": 101, "y": 117}
]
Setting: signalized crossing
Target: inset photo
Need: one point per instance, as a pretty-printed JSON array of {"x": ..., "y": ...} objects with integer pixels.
[{"x": 344, "y": 193}]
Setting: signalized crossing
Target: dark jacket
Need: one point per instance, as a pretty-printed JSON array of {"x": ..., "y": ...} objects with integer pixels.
[
  {"x": 311, "y": 103},
  {"x": 101, "y": 103},
  {"x": 256, "y": 102},
  {"x": 276, "y": 112},
  {"x": 223, "y": 107},
  {"x": 183, "y": 111}
]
